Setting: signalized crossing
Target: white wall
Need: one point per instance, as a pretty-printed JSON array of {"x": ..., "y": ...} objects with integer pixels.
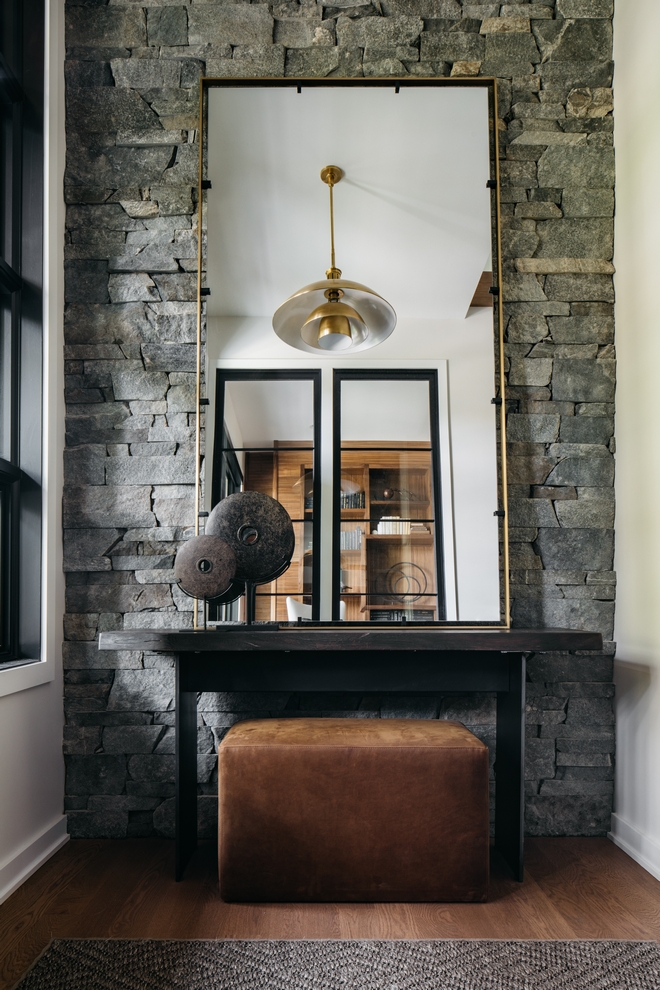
[
  {"x": 636, "y": 823},
  {"x": 32, "y": 826}
]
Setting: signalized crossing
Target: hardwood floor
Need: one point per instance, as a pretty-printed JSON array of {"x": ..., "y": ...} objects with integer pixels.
[{"x": 574, "y": 888}]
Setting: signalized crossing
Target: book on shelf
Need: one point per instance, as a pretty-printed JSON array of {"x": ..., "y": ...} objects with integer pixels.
[
  {"x": 350, "y": 539},
  {"x": 393, "y": 526},
  {"x": 355, "y": 500}
]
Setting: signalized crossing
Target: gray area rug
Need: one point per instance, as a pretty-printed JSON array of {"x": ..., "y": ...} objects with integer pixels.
[{"x": 466, "y": 964}]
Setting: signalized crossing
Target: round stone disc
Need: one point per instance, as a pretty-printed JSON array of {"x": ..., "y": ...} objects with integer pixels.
[
  {"x": 205, "y": 567},
  {"x": 259, "y": 531}
]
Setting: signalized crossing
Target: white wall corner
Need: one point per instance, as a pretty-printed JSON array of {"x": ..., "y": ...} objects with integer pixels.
[
  {"x": 640, "y": 847},
  {"x": 27, "y": 861}
]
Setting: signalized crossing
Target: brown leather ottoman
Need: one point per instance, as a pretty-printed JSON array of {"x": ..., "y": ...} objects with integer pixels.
[{"x": 316, "y": 809}]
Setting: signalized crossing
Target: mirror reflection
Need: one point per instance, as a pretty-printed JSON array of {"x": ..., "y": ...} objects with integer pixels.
[{"x": 393, "y": 483}]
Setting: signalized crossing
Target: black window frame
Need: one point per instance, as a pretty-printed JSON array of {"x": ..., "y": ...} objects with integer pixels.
[
  {"x": 224, "y": 375},
  {"x": 22, "y": 48},
  {"x": 383, "y": 374}
]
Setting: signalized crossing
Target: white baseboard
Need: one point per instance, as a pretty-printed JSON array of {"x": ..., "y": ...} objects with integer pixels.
[
  {"x": 640, "y": 847},
  {"x": 26, "y": 862}
]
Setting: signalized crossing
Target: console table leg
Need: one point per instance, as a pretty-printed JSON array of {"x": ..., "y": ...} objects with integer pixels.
[
  {"x": 186, "y": 776},
  {"x": 510, "y": 767}
]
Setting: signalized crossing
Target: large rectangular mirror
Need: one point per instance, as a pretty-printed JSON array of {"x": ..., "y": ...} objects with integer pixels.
[{"x": 393, "y": 475}]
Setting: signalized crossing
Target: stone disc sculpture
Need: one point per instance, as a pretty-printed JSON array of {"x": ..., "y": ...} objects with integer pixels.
[
  {"x": 259, "y": 531},
  {"x": 205, "y": 567}
]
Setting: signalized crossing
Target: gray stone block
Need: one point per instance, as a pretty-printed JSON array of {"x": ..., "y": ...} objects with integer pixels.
[
  {"x": 167, "y": 357},
  {"x": 97, "y": 774},
  {"x": 584, "y": 381},
  {"x": 519, "y": 243},
  {"x": 117, "y": 597},
  {"x": 173, "y": 288},
  {"x": 535, "y": 371},
  {"x": 142, "y": 690},
  {"x": 132, "y": 288},
  {"x": 586, "y": 513},
  {"x": 84, "y": 824},
  {"x": 512, "y": 48},
  {"x": 172, "y": 619},
  {"x": 532, "y": 429},
  {"x": 106, "y": 108},
  {"x": 597, "y": 328},
  {"x": 81, "y": 628},
  {"x": 175, "y": 322},
  {"x": 589, "y": 711},
  {"x": 575, "y": 238},
  {"x": 173, "y": 201},
  {"x": 561, "y": 41},
  {"x": 233, "y": 701},
  {"x": 229, "y": 24},
  {"x": 312, "y": 61},
  {"x": 588, "y": 202},
  {"x": 521, "y": 288},
  {"x": 302, "y": 32},
  {"x": 566, "y": 667},
  {"x": 457, "y": 46},
  {"x": 593, "y": 616},
  {"x": 87, "y": 656},
  {"x": 87, "y": 549},
  {"x": 539, "y": 758},
  {"x": 151, "y": 470},
  {"x": 136, "y": 384},
  {"x": 134, "y": 166},
  {"x": 580, "y": 758},
  {"x": 592, "y": 167},
  {"x": 378, "y": 32},
  {"x": 85, "y": 465},
  {"x": 147, "y": 260},
  {"x": 86, "y": 281},
  {"x": 597, "y": 288},
  {"x": 553, "y": 815},
  {"x": 531, "y": 512},
  {"x": 585, "y": 8},
  {"x": 105, "y": 27},
  {"x": 591, "y": 549},
  {"x": 580, "y": 470},
  {"x": 98, "y": 324},
  {"x": 131, "y": 739},
  {"x": 81, "y": 740},
  {"x": 470, "y": 709},
  {"x": 103, "y": 507},
  {"x": 167, "y": 26}
]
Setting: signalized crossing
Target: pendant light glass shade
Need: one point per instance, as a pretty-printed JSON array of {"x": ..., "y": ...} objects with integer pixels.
[{"x": 334, "y": 314}]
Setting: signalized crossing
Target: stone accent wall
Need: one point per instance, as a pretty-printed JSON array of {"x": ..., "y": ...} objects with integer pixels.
[{"x": 132, "y": 73}]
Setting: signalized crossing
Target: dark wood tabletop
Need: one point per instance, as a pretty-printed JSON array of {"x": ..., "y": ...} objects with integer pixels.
[{"x": 348, "y": 637}]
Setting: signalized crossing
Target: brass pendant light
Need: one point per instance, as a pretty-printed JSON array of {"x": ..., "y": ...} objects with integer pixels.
[{"x": 361, "y": 320}]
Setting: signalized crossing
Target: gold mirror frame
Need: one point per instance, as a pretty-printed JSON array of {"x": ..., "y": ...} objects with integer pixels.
[{"x": 209, "y": 82}]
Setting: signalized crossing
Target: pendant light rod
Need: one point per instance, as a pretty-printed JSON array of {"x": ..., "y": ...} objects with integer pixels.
[{"x": 331, "y": 175}]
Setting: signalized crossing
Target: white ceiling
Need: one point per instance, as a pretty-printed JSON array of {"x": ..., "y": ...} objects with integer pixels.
[{"x": 412, "y": 213}]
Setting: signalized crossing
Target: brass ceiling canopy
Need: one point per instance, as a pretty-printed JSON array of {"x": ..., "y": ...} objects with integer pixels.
[{"x": 316, "y": 318}]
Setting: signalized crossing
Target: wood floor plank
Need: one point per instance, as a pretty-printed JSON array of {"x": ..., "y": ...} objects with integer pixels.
[
  {"x": 597, "y": 888},
  {"x": 573, "y": 888}
]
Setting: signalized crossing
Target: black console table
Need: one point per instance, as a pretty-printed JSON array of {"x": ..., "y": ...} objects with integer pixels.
[{"x": 343, "y": 657}]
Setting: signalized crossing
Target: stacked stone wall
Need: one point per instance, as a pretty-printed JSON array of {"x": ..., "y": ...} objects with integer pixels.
[{"x": 132, "y": 76}]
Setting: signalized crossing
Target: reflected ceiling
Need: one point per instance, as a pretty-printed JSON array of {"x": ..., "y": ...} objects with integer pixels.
[{"x": 412, "y": 213}]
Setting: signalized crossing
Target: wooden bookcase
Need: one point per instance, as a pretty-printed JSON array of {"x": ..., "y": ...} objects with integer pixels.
[{"x": 387, "y": 544}]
